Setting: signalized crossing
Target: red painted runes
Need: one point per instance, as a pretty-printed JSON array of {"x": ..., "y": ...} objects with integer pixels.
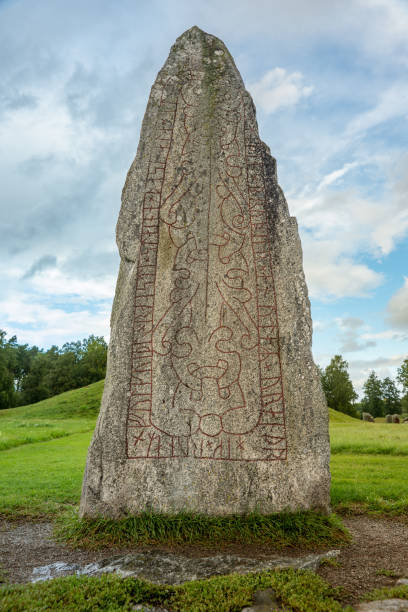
[{"x": 206, "y": 379}]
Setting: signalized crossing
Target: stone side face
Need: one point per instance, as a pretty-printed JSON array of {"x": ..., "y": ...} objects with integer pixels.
[{"x": 212, "y": 401}]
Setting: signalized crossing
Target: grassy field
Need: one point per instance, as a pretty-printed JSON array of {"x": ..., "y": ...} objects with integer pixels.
[
  {"x": 350, "y": 435},
  {"x": 42, "y": 457},
  {"x": 43, "y": 451}
]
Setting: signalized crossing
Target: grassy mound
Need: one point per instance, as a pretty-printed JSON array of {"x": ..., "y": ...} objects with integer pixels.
[
  {"x": 339, "y": 417},
  {"x": 59, "y": 416},
  {"x": 83, "y": 402}
]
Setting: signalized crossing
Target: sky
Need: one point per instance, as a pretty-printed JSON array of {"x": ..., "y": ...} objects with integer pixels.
[{"x": 329, "y": 80}]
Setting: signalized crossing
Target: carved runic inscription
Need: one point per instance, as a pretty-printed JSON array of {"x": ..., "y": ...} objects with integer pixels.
[{"x": 206, "y": 376}]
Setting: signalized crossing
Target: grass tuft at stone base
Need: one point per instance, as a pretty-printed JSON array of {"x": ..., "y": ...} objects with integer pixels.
[
  {"x": 301, "y": 591},
  {"x": 397, "y": 592},
  {"x": 286, "y": 529}
]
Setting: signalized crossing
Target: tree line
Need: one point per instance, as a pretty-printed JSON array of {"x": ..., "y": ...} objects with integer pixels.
[
  {"x": 381, "y": 397},
  {"x": 29, "y": 374}
]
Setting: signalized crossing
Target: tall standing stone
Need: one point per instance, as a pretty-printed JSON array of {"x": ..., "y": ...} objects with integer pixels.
[{"x": 212, "y": 402}]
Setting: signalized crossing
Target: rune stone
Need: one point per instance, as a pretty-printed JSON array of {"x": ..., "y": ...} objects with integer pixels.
[{"x": 212, "y": 401}]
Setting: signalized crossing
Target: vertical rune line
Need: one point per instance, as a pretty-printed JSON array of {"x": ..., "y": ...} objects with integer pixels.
[
  {"x": 263, "y": 378},
  {"x": 144, "y": 351},
  {"x": 208, "y": 231}
]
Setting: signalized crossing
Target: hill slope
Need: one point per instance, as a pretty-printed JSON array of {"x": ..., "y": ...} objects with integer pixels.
[
  {"x": 85, "y": 402},
  {"x": 59, "y": 416},
  {"x": 339, "y": 417}
]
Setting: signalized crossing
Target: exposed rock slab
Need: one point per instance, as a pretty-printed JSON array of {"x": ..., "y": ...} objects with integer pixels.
[
  {"x": 264, "y": 601},
  {"x": 383, "y": 605},
  {"x": 212, "y": 402},
  {"x": 164, "y": 568}
]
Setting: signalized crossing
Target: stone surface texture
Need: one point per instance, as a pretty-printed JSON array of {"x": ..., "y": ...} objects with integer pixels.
[
  {"x": 168, "y": 568},
  {"x": 264, "y": 601},
  {"x": 384, "y": 605},
  {"x": 212, "y": 402}
]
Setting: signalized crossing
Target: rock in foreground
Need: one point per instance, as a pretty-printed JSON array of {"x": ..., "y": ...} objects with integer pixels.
[
  {"x": 212, "y": 402},
  {"x": 168, "y": 568}
]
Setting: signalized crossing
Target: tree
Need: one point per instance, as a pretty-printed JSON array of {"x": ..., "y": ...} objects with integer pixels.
[
  {"x": 24, "y": 359},
  {"x": 390, "y": 396},
  {"x": 34, "y": 386},
  {"x": 402, "y": 375},
  {"x": 402, "y": 378},
  {"x": 28, "y": 374},
  {"x": 373, "y": 396},
  {"x": 338, "y": 387},
  {"x": 93, "y": 362},
  {"x": 7, "y": 368},
  {"x": 63, "y": 374}
]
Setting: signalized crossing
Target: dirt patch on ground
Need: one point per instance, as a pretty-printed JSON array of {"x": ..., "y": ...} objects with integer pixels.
[{"x": 378, "y": 545}]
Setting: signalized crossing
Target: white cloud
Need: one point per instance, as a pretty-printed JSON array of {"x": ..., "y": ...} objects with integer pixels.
[
  {"x": 54, "y": 283},
  {"x": 278, "y": 89},
  {"x": 398, "y": 307},
  {"x": 35, "y": 323},
  {"x": 360, "y": 369},
  {"x": 392, "y": 103},
  {"x": 331, "y": 277},
  {"x": 353, "y": 222},
  {"x": 350, "y": 335},
  {"x": 319, "y": 325},
  {"x": 383, "y": 366},
  {"x": 388, "y": 334},
  {"x": 384, "y": 27},
  {"x": 334, "y": 176},
  {"x": 338, "y": 226},
  {"x": 54, "y": 305}
]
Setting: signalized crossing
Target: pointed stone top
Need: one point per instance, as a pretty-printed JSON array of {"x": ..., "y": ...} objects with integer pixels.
[
  {"x": 204, "y": 48},
  {"x": 194, "y": 32},
  {"x": 195, "y": 36}
]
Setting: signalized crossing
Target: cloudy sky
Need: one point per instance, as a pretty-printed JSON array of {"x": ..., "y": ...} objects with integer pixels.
[{"x": 329, "y": 80}]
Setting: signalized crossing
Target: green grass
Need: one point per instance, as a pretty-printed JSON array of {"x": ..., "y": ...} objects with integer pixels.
[
  {"x": 43, "y": 451},
  {"x": 399, "y": 592},
  {"x": 57, "y": 417},
  {"x": 42, "y": 478},
  {"x": 375, "y": 483},
  {"x": 42, "y": 457},
  {"x": 359, "y": 437},
  {"x": 388, "y": 573},
  {"x": 369, "y": 466},
  {"x": 284, "y": 529},
  {"x": 339, "y": 417},
  {"x": 301, "y": 591}
]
